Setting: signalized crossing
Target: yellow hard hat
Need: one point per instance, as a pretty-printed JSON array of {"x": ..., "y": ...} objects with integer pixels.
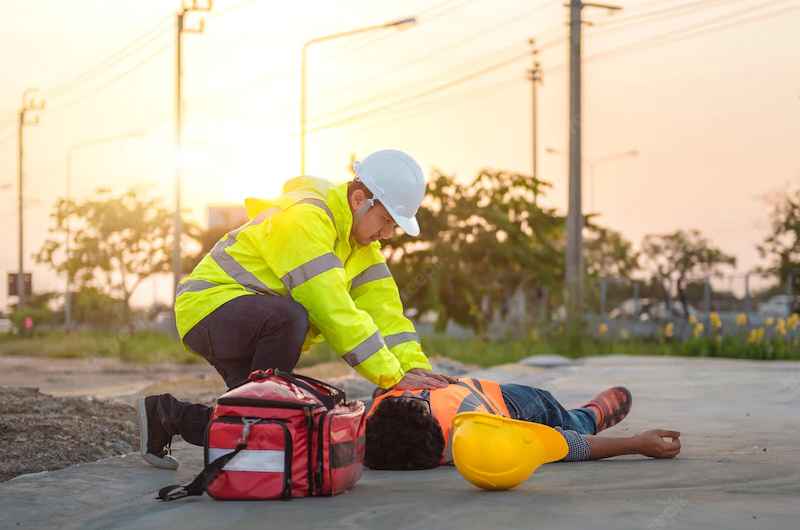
[{"x": 498, "y": 453}]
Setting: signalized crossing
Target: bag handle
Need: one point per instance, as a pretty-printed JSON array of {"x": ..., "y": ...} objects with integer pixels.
[
  {"x": 330, "y": 400},
  {"x": 336, "y": 392}
]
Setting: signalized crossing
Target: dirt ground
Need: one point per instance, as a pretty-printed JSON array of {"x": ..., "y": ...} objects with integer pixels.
[{"x": 58, "y": 412}]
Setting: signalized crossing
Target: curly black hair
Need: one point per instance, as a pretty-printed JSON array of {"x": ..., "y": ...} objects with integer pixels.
[{"x": 402, "y": 434}]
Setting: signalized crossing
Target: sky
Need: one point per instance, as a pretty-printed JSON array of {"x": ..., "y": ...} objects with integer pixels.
[{"x": 706, "y": 92}]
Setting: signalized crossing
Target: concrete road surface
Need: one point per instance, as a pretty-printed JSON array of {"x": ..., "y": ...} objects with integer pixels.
[{"x": 739, "y": 469}]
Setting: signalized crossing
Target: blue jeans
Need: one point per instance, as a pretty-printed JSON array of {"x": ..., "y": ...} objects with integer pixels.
[{"x": 539, "y": 406}]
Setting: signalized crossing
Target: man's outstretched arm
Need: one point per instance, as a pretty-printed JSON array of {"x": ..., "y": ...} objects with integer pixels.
[{"x": 656, "y": 443}]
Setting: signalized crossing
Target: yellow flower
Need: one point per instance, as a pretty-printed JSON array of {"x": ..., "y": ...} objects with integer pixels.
[
  {"x": 698, "y": 329},
  {"x": 741, "y": 319},
  {"x": 602, "y": 329},
  {"x": 780, "y": 327},
  {"x": 692, "y": 320},
  {"x": 624, "y": 334},
  {"x": 716, "y": 323},
  {"x": 756, "y": 335},
  {"x": 770, "y": 321},
  {"x": 793, "y": 320},
  {"x": 669, "y": 330}
]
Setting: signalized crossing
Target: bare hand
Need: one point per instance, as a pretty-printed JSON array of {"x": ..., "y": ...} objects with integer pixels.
[
  {"x": 654, "y": 443},
  {"x": 414, "y": 380},
  {"x": 442, "y": 377}
]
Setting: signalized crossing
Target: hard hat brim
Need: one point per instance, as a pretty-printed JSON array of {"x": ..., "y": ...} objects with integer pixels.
[{"x": 409, "y": 225}]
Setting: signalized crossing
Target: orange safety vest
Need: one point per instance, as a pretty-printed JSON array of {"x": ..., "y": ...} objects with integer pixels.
[{"x": 468, "y": 395}]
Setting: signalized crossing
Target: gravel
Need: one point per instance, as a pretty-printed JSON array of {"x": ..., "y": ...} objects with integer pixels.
[{"x": 39, "y": 432}]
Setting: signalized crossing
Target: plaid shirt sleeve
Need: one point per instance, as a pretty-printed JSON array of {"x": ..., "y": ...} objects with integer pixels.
[{"x": 578, "y": 446}]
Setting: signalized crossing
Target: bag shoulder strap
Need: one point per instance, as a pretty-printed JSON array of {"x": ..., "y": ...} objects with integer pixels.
[{"x": 200, "y": 483}]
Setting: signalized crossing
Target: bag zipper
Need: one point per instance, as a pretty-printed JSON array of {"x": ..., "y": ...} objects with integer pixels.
[
  {"x": 309, "y": 456},
  {"x": 261, "y": 403},
  {"x": 321, "y": 443}
]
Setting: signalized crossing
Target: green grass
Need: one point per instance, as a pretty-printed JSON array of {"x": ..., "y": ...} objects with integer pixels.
[
  {"x": 490, "y": 353},
  {"x": 140, "y": 347},
  {"x": 151, "y": 347}
]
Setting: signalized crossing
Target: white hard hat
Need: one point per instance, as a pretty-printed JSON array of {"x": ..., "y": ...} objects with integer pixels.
[{"x": 396, "y": 180}]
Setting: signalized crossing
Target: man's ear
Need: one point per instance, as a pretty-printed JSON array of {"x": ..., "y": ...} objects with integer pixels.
[{"x": 356, "y": 199}]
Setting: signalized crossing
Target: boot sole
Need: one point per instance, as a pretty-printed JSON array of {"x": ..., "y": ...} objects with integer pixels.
[{"x": 165, "y": 462}]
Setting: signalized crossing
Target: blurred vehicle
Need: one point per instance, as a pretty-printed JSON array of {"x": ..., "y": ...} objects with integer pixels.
[
  {"x": 650, "y": 309},
  {"x": 5, "y": 325},
  {"x": 659, "y": 311},
  {"x": 779, "y": 306}
]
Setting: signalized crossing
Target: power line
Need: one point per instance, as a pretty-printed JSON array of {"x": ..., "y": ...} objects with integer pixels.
[
  {"x": 435, "y": 105},
  {"x": 139, "y": 42},
  {"x": 444, "y": 86},
  {"x": 486, "y": 30},
  {"x": 378, "y": 98},
  {"x": 374, "y": 99},
  {"x": 693, "y": 31},
  {"x": 653, "y": 17},
  {"x": 664, "y": 38},
  {"x": 422, "y": 16},
  {"x": 114, "y": 79}
]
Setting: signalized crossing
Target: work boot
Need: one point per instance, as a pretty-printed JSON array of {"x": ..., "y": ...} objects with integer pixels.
[
  {"x": 610, "y": 406},
  {"x": 154, "y": 439}
]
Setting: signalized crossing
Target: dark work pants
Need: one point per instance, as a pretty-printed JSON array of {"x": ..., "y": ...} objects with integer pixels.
[{"x": 252, "y": 332}]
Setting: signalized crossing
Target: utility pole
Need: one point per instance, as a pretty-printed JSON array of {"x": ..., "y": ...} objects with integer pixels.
[
  {"x": 181, "y": 28},
  {"x": 535, "y": 77},
  {"x": 30, "y": 103},
  {"x": 574, "y": 257}
]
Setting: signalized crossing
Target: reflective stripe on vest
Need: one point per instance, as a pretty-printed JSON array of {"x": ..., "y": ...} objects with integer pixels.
[
  {"x": 232, "y": 267},
  {"x": 370, "y": 274},
  {"x": 190, "y": 285},
  {"x": 370, "y": 346},
  {"x": 399, "y": 338},
  {"x": 242, "y": 276},
  {"x": 301, "y": 274}
]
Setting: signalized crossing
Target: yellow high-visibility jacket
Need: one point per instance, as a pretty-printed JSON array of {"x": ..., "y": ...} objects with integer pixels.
[{"x": 299, "y": 245}]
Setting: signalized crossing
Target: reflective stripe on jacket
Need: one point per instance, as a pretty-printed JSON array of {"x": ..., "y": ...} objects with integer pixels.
[
  {"x": 299, "y": 245},
  {"x": 467, "y": 395}
]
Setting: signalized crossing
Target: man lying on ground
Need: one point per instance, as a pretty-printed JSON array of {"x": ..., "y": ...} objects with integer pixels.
[{"x": 412, "y": 429}]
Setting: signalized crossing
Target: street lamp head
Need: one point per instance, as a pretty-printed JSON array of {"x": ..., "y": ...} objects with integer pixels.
[
  {"x": 633, "y": 152},
  {"x": 403, "y": 23}
]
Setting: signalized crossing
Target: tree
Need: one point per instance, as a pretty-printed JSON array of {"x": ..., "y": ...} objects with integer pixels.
[
  {"x": 682, "y": 257},
  {"x": 609, "y": 258},
  {"x": 116, "y": 243},
  {"x": 480, "y": 243},
  {"x": 781, "y": 247},
  {"x": 608, "y": 254}
]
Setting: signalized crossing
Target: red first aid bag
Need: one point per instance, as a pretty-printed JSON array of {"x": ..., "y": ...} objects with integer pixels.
[{"x": 280, "y": 435}]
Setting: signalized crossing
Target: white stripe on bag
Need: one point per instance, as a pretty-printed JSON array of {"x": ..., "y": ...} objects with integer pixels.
[{"x": 250, "y": 460}]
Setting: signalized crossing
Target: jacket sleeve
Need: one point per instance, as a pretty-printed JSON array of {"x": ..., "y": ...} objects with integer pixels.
[
  {"x": 300, "y": 250},
  {"x": 375, "y": 291}
]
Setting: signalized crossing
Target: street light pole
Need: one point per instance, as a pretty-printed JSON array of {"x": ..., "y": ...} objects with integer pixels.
[
  {"x": 181, "y": 28},
  {"x": 398, "y": 24},
  {"x": 70, "y": 153},
  {"x": 29, "y": 104}
]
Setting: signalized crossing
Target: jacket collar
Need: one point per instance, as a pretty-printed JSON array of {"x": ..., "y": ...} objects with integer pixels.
[{"x": 342, "y": 215}]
